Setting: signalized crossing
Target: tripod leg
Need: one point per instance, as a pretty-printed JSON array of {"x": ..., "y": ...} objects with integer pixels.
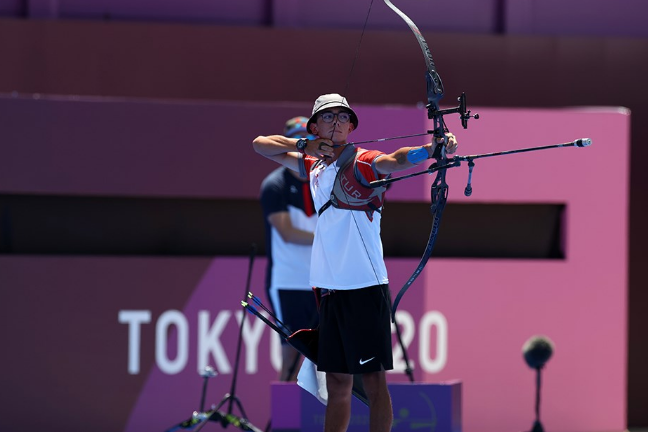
[{"x": 240, "y": 407}]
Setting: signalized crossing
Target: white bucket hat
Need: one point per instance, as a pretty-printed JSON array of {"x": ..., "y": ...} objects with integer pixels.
[{"x": 332, "y": 100}]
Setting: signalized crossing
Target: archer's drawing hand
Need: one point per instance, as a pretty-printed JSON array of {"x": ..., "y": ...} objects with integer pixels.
[{"x": 320, "y": 148}]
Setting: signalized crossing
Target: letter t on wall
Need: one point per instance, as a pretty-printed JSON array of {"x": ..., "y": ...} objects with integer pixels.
[{"x": 134, "y": 318}]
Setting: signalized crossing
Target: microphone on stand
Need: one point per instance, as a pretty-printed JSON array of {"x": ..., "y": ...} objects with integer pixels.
[{"x": 537, "y": 351}]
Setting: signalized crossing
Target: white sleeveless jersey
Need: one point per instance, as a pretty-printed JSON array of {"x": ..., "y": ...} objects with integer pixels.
[{"x": 347, "y": 250}]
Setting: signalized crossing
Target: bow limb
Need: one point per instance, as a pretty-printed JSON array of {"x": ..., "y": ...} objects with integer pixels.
[
  {"x": 439, "y": 190},
  {"x": 439, "y": 195},
  {"x": 437, "y": 213},
  {"x": 434, "y": 85}
]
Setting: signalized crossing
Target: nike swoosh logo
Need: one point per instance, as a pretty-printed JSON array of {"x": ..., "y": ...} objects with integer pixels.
[{"x": 366, "y": 361}]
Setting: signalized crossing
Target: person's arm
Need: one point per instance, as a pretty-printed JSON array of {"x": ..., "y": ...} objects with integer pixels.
[
  {"x": 282, "y": 149},
  {"x": 278, "y": 148},
  {"x": 398, "y": 160},
  {"x": 282, "y": 223}
]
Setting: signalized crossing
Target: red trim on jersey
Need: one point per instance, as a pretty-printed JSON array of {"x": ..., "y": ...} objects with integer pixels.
[
  {"x": 364, "y": 161},
  {"x": 367, "y": 156},
  {"x": 309, "y": 208},
  {"x": 309, "y": 161}
]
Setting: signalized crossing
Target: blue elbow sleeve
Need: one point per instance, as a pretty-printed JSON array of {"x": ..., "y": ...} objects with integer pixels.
[{"x": 417, "y": 155}]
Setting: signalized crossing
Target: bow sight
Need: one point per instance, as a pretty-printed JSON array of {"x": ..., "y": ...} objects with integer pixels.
[{"x": 464, "y": 114}]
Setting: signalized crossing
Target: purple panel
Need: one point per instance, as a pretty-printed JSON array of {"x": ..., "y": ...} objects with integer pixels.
[
  {"x": 418, "y": 406},
  {"x": 43, "y": 8},
  {"x": 577, "y": 17},
  {"x": 167, "y": 397},
  {"x": 285, "y": 406},
  {"x": 70, "y": 350},
  {"x": 231, "y": 12},
  {"x": 472, "y": 16},
  {"x": 11, "y": 8},
  {"x": 77, "y": 145},
  {"x": 71, "y": 145}
]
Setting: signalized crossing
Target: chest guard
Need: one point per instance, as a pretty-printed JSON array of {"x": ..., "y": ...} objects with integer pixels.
[{"x": 350, "y": 194}]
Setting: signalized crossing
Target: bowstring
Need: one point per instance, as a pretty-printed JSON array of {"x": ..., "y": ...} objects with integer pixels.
[
  {"x": 337, "y": 168},
  {"x": 357, "y": 52}
]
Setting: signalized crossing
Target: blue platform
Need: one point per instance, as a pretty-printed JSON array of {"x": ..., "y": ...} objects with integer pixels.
[{"x": 417, "y": 407}]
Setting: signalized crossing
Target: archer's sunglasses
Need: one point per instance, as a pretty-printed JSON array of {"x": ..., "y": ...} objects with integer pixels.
[{"x": 343, "y": 117}]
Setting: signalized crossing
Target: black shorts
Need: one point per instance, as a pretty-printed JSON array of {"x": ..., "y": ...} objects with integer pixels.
[
  {"x": 298, "y": 309},
  {"x": 355, "y": 331}
]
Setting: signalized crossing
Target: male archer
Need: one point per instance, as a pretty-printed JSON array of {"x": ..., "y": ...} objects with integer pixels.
[{"x": 347, "y": 265}]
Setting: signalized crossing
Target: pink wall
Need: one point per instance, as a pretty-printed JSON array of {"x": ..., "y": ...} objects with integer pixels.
[
  {"x": 494, "y": 306},
  {"x": 491, "y": 307}
]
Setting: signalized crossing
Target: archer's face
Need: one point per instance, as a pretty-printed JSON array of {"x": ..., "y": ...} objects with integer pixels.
[{"x": 334, "y": 124}]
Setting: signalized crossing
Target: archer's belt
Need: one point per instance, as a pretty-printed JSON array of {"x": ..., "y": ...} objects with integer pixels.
[{"x": 326, "y": 291}]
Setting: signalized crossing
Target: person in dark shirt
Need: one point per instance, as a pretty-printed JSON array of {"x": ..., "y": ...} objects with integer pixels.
[{"x": 289, "y": 221}]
